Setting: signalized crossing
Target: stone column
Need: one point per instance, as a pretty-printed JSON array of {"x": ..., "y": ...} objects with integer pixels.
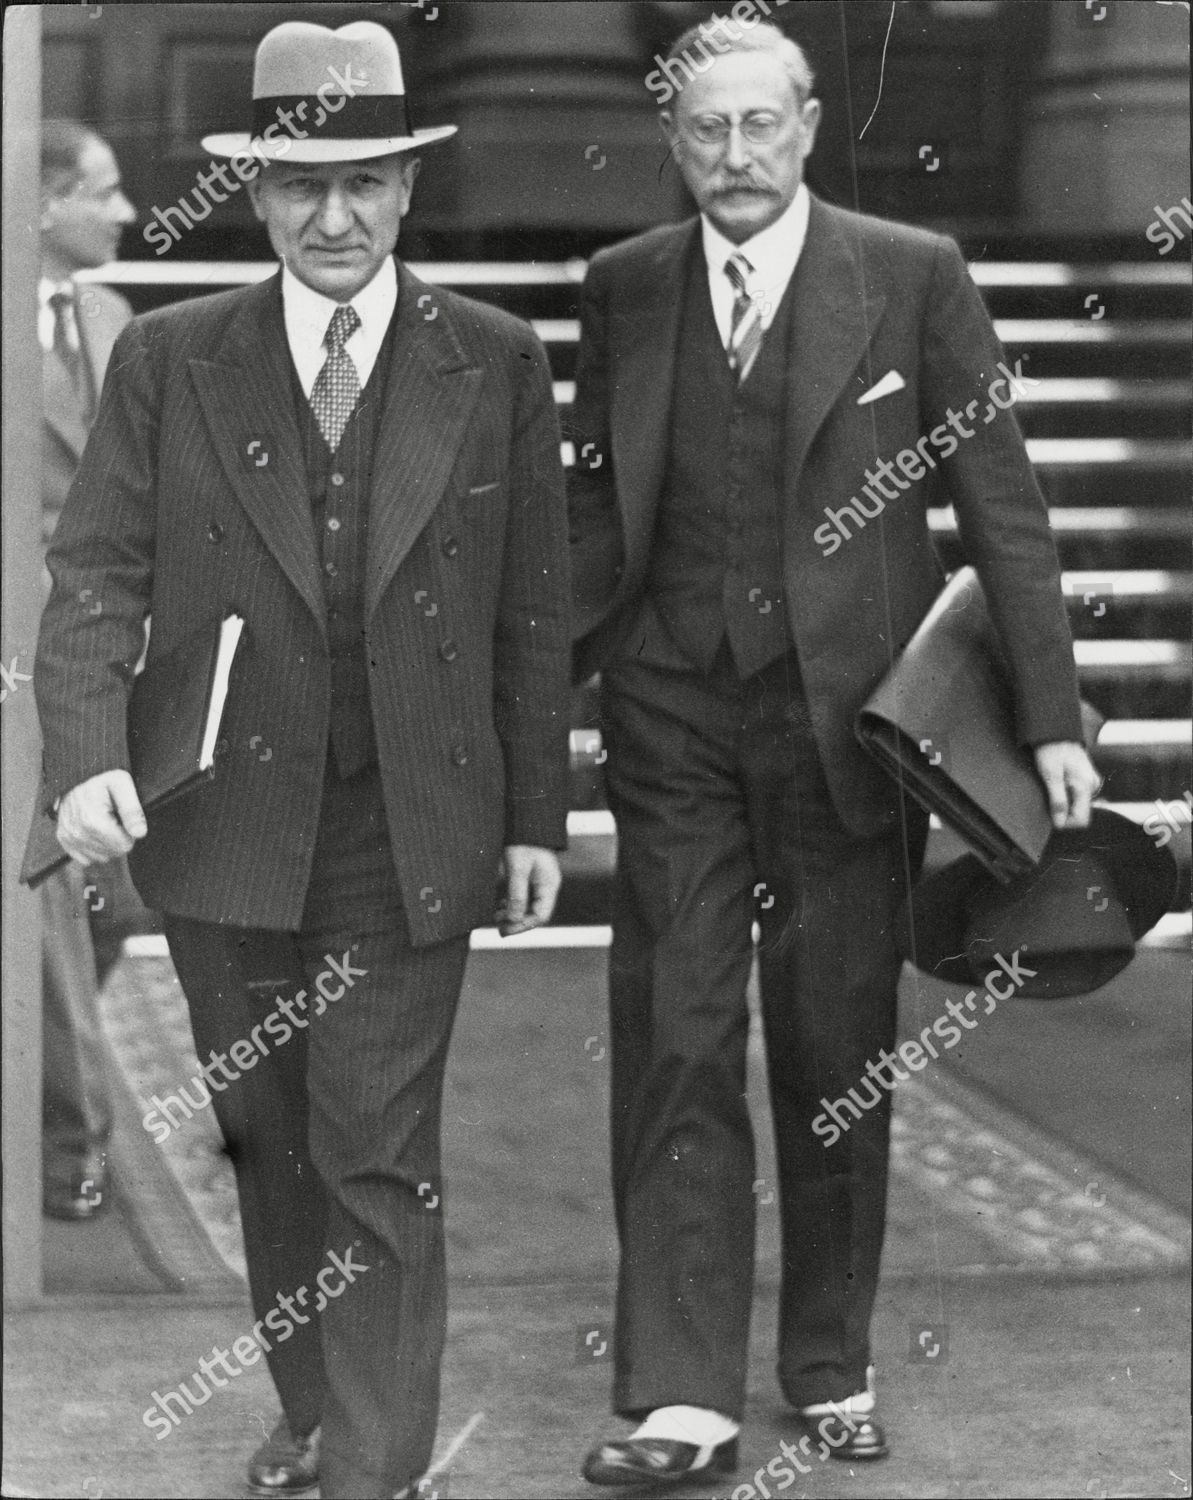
[
  {"x": 1107, "y": 132},
  {"x": 557, "y": 127}
]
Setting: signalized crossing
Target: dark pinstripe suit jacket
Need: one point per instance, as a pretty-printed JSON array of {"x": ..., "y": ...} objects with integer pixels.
[{"x": 191, "y": 501}]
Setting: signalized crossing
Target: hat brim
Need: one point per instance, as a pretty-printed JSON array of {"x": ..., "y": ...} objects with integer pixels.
[
  {"x": 932, "y": 923},
  {"x": 287, "y": 148}
]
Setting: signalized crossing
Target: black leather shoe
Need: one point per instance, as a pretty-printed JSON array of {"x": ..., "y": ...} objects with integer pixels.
[
  {"x": 85, "y": 1196},
  {"x": 285, "y": 1464},
  {"x": 856, "y": 1439},
  {"x": 656, "y": 1461}
]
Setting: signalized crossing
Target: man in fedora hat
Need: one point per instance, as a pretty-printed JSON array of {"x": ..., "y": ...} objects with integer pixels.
[{"x": 368, "y": 471}]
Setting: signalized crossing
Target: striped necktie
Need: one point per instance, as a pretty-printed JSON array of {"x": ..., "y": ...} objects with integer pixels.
[
  {"x": 68, "y": 348},
  {"x": 337, "y": 385},
  {"x": 745, "y": 331}
]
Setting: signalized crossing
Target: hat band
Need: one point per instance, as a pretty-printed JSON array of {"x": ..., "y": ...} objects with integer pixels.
[{"x": 340, "y": 117}]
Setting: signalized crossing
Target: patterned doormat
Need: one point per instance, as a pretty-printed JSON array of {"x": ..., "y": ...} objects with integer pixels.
[{"x": 974, "y": 1188}]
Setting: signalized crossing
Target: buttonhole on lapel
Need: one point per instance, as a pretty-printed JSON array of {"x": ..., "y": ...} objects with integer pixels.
[{"x": 483, "y": 489}]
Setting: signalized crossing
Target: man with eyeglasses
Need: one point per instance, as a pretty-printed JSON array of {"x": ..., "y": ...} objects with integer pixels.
[{"x": 739, "y": 377}]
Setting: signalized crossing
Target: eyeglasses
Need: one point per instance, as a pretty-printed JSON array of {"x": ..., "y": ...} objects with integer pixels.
[{"x": 712, "y": 130}]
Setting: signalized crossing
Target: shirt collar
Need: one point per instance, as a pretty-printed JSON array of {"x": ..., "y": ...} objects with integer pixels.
[
  {"x": 773, "y": 252},
  {"x": 308, "y": 312},
  {"x": 46, "y": 289}
]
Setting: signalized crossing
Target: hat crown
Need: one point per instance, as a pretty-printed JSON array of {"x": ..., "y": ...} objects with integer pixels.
[{"x": 300, "y": 58}]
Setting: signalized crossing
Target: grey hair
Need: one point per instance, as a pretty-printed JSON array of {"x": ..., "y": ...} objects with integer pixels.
[{"x": 710, "y": 36}]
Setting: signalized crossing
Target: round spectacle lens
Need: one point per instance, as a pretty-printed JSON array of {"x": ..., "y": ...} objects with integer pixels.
[{"x": 758, "y": 130}]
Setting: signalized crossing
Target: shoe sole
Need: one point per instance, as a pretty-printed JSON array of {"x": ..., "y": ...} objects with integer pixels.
[{"x": 618, "y": 1474}]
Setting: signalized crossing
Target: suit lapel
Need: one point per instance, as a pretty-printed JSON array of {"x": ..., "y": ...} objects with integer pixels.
[
  {"x": 245, "y": 394},
  {"x": 431, "y": 390},
  {"x": 101, "y": 321},
  {"x": 833, "y": 320},
  {"x": 645, "y": 369}
]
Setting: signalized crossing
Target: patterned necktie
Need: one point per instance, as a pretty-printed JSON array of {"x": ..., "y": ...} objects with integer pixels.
[
  {"x": 745, "y": 331},
  {"x": 337, "y": 385},
  {"x": 66, "y": 344}
]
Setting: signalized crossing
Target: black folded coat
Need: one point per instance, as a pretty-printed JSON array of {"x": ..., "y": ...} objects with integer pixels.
[{"x": 942, "y": 722}]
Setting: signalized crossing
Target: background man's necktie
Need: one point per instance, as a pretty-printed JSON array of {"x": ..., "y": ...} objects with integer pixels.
[
  {"x": 337, "y": 385},
  {"x": 745, "y": 331},
  {"x": 68, "y": 348}
]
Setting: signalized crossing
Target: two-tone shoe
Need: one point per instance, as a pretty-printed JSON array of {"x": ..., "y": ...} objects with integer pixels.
[
  {"x": 285, "y": 1464},
  {"x": 649, "y": 1460},
  {"x": 855, "y": 1439}
]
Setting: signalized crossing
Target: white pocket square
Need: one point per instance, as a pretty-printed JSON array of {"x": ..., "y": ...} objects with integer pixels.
[{"x": 892, "y": 381}]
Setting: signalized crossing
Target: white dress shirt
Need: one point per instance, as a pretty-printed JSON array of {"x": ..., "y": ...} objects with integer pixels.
[
  {"x": 308, "y": 313},
  {"x": 773, "y": 253}
]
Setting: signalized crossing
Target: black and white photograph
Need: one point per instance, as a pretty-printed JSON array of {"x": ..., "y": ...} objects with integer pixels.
[{"x": 597, "y": 750}]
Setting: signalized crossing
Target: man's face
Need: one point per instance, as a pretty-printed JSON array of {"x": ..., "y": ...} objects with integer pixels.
[
  {"x": 742, "y": 184},
  {"x": 333, "y": 223},
  {"x": 81, "y": 224}
]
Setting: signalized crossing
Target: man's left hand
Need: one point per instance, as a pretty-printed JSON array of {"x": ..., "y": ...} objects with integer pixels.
[
  {"x": 532, "y": 881},
  {"x": 1070, "y": 781}
]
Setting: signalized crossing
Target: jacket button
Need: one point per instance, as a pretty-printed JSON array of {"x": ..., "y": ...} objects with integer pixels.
[
  {"x": 215, "y": 532},
  {"x": 449, "y": 650},
  {"x": 459, "y": 755},
  {"x": 450, "y": 546}
]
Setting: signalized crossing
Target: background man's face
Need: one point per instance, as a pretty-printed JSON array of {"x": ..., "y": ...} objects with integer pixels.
[
  {"x": 81, "y": 224},
  {"x": 742, "y": 185},
  {"x": 333, "y": 223}
]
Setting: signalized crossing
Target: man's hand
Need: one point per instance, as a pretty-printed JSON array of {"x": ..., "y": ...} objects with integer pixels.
[
  {"x": 532, "y": 881},
  {"x": 101, "y": 818},
  {"x": 1069, "y": 779}
]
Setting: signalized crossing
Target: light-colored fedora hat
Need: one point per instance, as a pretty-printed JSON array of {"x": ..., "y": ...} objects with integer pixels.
[{"x": 321, "y": 95}]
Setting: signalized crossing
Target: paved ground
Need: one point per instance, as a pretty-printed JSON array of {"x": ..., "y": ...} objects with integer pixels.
[{"x": 1037, "y": 1234}]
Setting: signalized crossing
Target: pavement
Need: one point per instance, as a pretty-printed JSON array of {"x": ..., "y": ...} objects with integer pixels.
[{"x": 1031, "y": 1332}]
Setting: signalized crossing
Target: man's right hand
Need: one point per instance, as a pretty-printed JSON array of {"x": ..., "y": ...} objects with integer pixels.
[{"x": 101, "y": 819}]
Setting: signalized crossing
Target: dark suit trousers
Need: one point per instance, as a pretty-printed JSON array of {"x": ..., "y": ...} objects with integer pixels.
[
  {"x": 724, "y": 817},
  {"x": 332, "y": 1136},
  {"x": 76, "y": 1100}
]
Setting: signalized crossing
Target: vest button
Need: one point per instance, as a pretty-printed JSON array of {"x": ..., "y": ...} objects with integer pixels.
[
  {"x": 449, "y": 650},
  {"x": 215, "y": 532},
  {"x": 333, "y": 524},
  {"x": 337, "y": 480},
  {"x": 459, "y": 755},
  {"x": 450, "y": 546},
  {"x": 330, "y": 569}
]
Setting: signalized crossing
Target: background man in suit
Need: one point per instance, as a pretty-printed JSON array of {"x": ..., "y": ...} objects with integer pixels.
[
  {"x": 368, "y": 471},
  {"x": 83, "y": 212},
  {"x": 721, "y": 412}
]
